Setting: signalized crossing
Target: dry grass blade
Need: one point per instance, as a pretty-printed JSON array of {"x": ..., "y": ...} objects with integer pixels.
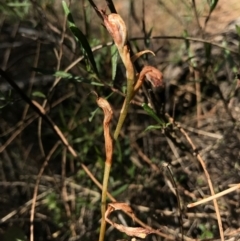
[{"x": 220, "y": 194}]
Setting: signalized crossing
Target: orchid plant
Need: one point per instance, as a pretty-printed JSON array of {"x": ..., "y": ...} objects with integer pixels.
[{"x": 117, "y": 29}]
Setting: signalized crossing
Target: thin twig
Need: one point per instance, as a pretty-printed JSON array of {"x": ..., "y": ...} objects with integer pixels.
[
  {"x": 59, "y": 58},
  {"x": 188, "y": 38},
  {"x": 23, "y": 208},
  {"x": 64, "y": 193},
  {"x": 21, "y": 125},
  {"x": 35, "y": 192},
  {"x": 180, "y": 216}
]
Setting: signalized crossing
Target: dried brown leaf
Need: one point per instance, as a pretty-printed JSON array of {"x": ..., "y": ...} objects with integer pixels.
[
  {"x": 130, "y": 231},
  {"x": 121, "y": 206},
  {"x": 133, "y": 231}
]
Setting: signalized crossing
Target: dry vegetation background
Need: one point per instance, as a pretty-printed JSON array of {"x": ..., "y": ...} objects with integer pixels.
[{"x": 39, "y": 176}]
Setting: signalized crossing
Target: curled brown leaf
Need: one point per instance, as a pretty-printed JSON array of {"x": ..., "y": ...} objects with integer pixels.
[
  {"x": 130, "y": 231},
  {"x": 133, "y": 231}
]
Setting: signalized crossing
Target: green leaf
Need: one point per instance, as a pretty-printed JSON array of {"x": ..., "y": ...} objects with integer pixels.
[
  {"x": 208, "y": 49},
  {"x": 120, "y": 190},
  {"x": 131, "y": 171},
  {"x": 150, "y": 112},
  {"x": 212, "y": 4},
  {"x": 67, "y": 75},
  {"x": 6, "y": 10},
  {"x": 150, "y": 32},
  {"x": 153, "y": 127},
  {"x": 18, "y": 4},
  {"x": 62, "y": 74},
  {"x": 186, "y": 35},
  {"x": 147, "y": 38},
  {"x": 80, "y": 37},
  {"x": 80, "y": 79},
  {"x": 92, "y": 114},
  {"x": 237, "y": 30},
  {"x": 114, "y": 54},
  {"x": 38, "y": 94},
  {"x": 206, "y": 234},
  {"x": 59, "y": 73}
]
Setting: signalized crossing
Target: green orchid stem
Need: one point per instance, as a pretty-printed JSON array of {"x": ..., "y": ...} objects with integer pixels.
[
  {"x": 125, "y": 56},
  {"x": 104, "y": 200}
]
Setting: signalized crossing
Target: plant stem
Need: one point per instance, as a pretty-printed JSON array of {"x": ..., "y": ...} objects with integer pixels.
[
  {"x": 130, "y": 74},
  {"x": 104, "y": 199}
]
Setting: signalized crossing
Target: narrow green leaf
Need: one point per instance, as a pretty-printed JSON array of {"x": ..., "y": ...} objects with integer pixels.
[
  {"x": 93, "y": 113},
  {"x": 237, "y": 30},
  {"x": 153, "y": 127},
  {"x": 147, "y": 39},
  {"x": 87, "y": 81},
  {"x": 150, "y": 112},
  {"x": 63, "y": 74},
  {"x": 120, "y": 190},
  {"x": 38, "y": 94},
  {"x": 212, "y": 4},
  {"x": 208, "y": 49},
  {"x": 2, "y": 106},
  {"x": 185, "y": 35},
  {"x": 96, "y": 83},
  {"x": 18, "y": 4},
  {"x": 150, "y": 32},
  {"x": 66, "y": 75},
  {"x": 80, "y": 37},
  {"x": 114, "y": 54}
]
